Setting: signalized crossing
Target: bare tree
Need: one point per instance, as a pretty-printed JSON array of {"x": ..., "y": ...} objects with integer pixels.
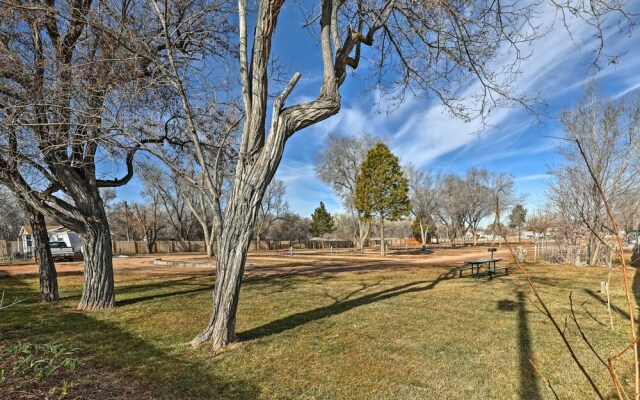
[
  {"x": 608, "y": 131},
  {"x": 274, "y": 207},
  {"x": 476, "y": 199},
  {"x": 210, "y": 139},
  {"x": 503, "y": 196},
  {"x": 344, "y": 224},
  {"x": 539, "y": 223},
  {"x": 338, "y": 164},
  {"x": 149, "y": 216},
  {"x": 423, "y": 198},
  {"x": 64, "y": 66},
  {"x": 149, "y": 222},
  {"x": 449, "y": 211},
  {"x": 121, "y": 221},
  {"x": 290, "y": 227},
  {"x": 171, "y": 193}
]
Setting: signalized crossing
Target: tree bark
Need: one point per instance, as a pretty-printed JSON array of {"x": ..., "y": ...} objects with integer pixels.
[
  {"x": 149, "y": 246},
  {"x": 232, "y": 249},
  {"x": 209, "y": 243},
  {"x": 258, "y": 239},
  {"x": 423, "y": 236},
  {"x": 98, "y": 290},
  {"x": 364, "y": 226},
  {"x": 382, "y": 244},
  {"x": 46, "y": 266},
  {"x": 595, "y": 249}
]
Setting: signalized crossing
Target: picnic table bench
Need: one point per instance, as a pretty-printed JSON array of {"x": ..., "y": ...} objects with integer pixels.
[
  {"x": 465, "y": 268},
  {"x": 474, "y": 265},
  {"x": 494, "y": 271}
]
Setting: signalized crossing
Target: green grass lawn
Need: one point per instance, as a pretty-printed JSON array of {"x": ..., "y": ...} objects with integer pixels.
[{"x": 417, "y": 333}]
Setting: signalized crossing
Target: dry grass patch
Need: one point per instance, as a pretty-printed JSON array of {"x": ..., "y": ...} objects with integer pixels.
[{"x": 418, "y": 332}]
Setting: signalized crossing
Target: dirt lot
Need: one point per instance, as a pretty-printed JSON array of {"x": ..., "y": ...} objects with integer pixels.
[{"x": 267, "y": 263}]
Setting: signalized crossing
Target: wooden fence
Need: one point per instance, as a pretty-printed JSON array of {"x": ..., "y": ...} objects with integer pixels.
[
  {"x": 161, "y": 246},
  {"x": 7, "y": 248},
  {"x": 301, "y": 244}
]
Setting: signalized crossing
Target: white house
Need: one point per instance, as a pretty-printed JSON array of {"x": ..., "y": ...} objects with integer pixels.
[{"x": 57, "y": 233}]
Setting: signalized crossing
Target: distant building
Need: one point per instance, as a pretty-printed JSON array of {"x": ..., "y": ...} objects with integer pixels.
[
  {"x": 57, "y": 233},
  {"x": 632, "y": 236}
]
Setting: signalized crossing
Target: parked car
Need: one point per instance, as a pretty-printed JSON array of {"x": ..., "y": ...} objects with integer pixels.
[{"x": 60, "y": 251}]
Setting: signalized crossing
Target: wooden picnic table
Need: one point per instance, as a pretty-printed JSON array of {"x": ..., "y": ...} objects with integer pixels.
[{"x": 476, "y": 264}]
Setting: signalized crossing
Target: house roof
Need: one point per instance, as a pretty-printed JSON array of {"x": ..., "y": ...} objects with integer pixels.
[{"x": 27, "y": 229}]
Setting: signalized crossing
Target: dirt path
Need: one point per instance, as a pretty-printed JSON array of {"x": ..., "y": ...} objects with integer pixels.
[{"x": 270, "y": 264}]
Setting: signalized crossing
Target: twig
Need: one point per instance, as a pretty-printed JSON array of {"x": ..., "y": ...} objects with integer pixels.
[
  {"x": 2, "y": 306},
  {"x": 545, "y": 379},
  {"x": 584, "y": 336},
  {"x": 616, "y": 381}
]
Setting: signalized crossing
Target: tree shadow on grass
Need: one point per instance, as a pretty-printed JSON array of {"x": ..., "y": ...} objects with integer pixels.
[
  {"x": 123, "y": 288},
  {"x": 167, "y": 372},
  {"x": 7, "y": 273},
  {"x": 272, "y": 284},
  {"x": 340, "y": 306},
  {"x": 135, "y": 300},
  {"x": 529, "y": 388},
  {"x": 615, "y": 308}
]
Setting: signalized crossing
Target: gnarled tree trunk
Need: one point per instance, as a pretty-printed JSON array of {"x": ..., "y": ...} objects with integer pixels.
[
  {"x": 98, "y": 290},
  {"x": 260, "y": 152},
  {"x": 46, "y": 267},
  {"x": 233, "y": 246}
]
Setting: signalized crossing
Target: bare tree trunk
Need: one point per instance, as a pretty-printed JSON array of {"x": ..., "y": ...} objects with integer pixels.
[
  {"x": 207, "y": 238},
  {"x": 233, "y": 245},
  {"x": 98, "y": 290},
  {"x": 364, "y": 227},
  {"x": 46, "y": 267},
  {"x": 382, "y": 243},
  {"x": 595, "y": 248},
  {"x": 209, "y": 243},
  {"x": 150, "y": 243},
  {"x": 423, "y": 236},
  {"x": 127, "y": 223}
]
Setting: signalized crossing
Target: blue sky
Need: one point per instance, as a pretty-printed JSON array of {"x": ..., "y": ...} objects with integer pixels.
[{"x": 421, "y": 132}]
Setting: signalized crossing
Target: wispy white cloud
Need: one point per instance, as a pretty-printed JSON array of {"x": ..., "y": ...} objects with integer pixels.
[{"x": 534, "y": 177}]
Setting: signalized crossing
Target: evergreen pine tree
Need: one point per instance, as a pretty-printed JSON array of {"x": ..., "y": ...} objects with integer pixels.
[
  {"x": 321, "y": 222},
  {"x": 382, "y": 189}
]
